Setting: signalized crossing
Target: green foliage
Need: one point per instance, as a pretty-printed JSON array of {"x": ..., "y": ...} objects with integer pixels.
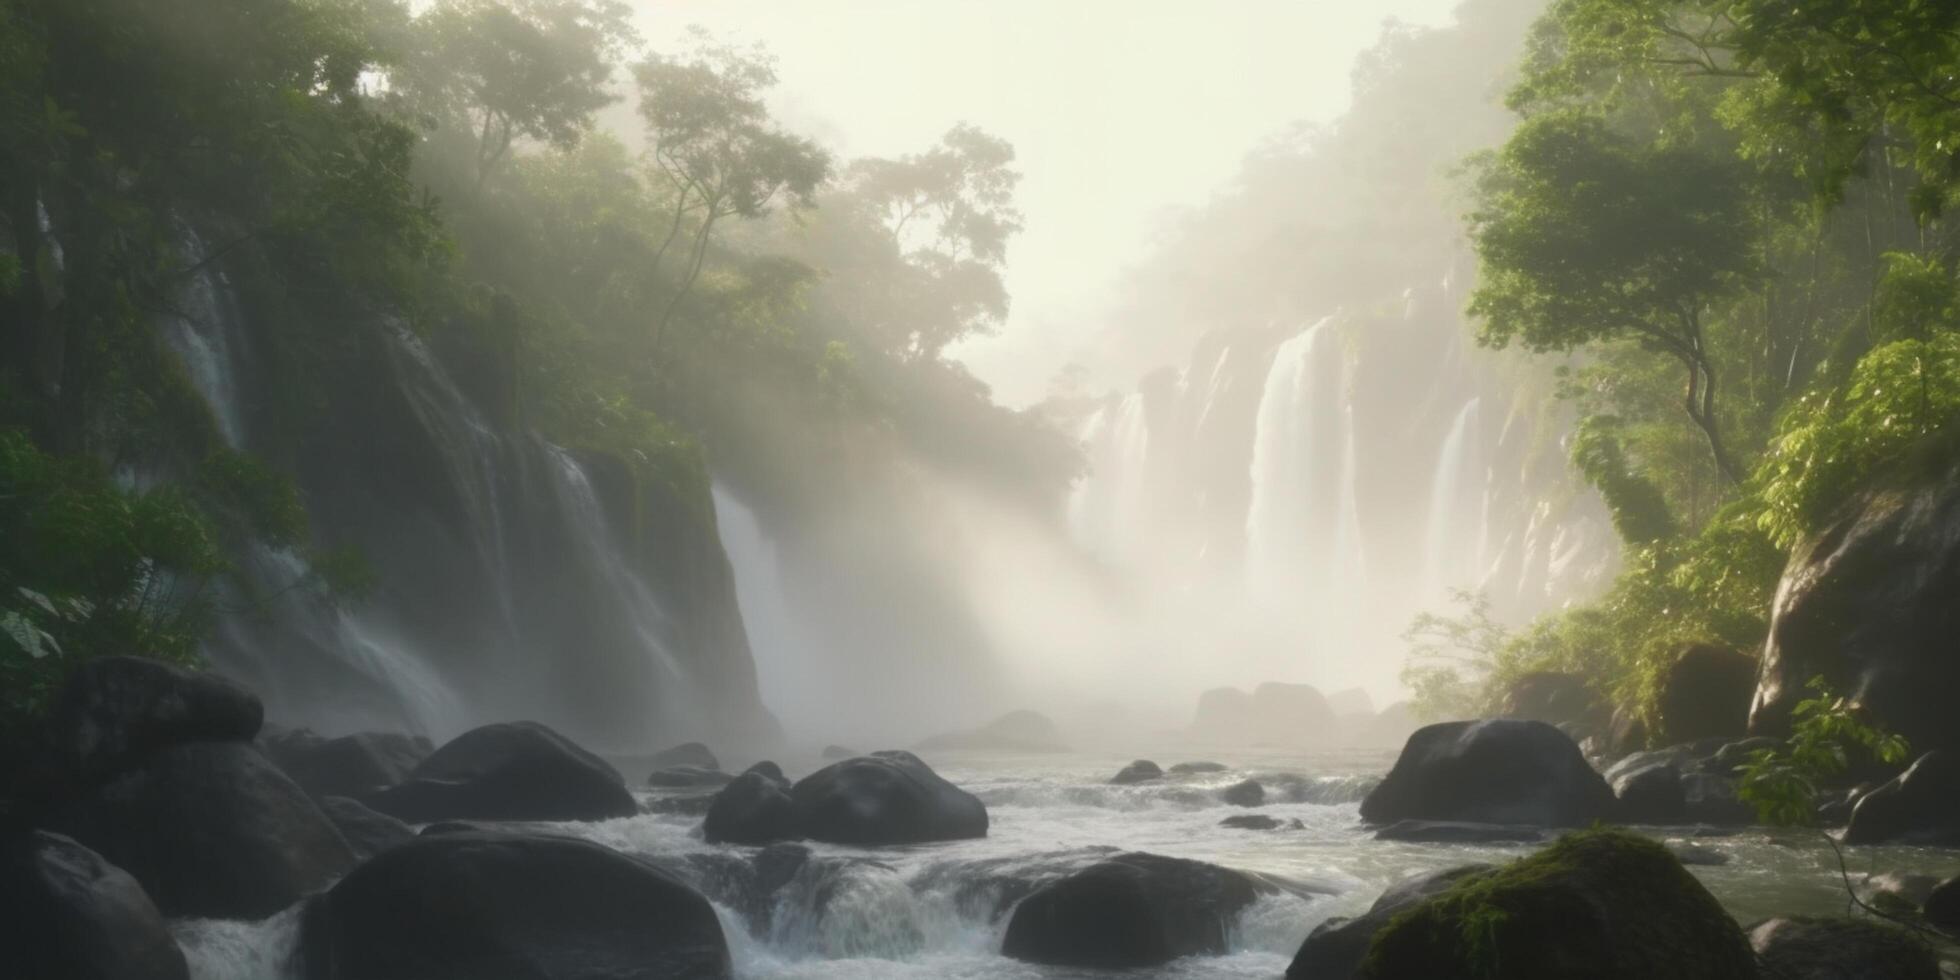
[
  {"x": 1783, "y": 784},
  {"x": 1639, "y": 511}
]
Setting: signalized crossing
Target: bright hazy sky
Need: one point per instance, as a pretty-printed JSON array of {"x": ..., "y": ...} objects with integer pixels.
[{"x": 1121, "y": 112}]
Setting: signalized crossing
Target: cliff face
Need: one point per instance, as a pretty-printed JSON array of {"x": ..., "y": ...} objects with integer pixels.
[{"x": 514, "y": 578}]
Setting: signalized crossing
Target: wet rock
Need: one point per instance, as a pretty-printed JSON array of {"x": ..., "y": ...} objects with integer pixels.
[
  {"x": 686, "y": 754},
  {"x": 1919, "y": 806},
  {"x": 1336, "y": 948},
  {"x": 1196, "y": 768},
  {"x": 510, "y": 907},
  {"x": 684, "y": 776},
  {"x": 1497, "y": 771},
  {"x": 1131, "y": 910},
  {"x": 1651, "y": 794},
  {"x": 510, "y": 771},
  {"x": 1603, "y": 904},
  {"x": 1016, "y": 731},
  {"x": 1801, "y": 948},
  {"x": 770, "y": 771},
  {"x": 1898, "y": 894},
  {"x": 835, "y": 752},
  {"x": 1246, "y": 793},
  {"x": 72, "y": 915},
  {"x": 211, "y": 829},
  {"x": 112, "y": 711},
  {"x": 1457, "y": 832},
  {"x": 1942, "y": 904},
  {"x": 1705, "y": 693},
  {"x": 350, "y": 765},
  {"x": 1867, "y": 602},
  {"x": 1258, "y": 821},
  {"x": 753, "y": 809},
  {"x": 885, "y": 798},
  {"x": 367, "y": 832},
  {"x": 1733, "y": 755},
  {"x": 1140, "y": 771}
]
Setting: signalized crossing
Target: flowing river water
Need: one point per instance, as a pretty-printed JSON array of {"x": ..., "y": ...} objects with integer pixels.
[{"x": 939, "y": 911}]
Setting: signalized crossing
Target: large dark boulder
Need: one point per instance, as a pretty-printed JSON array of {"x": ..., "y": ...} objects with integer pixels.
[
  {"x": 71, "y": 915},
  {"x": 511, "y": 771},
  {"x": 753, "y": 809},
  {"x": 1802, "y": 948},
  {"x": 1495, "y": 771},
  {"x": 1335, "y": 949},
  {"x": 1867, "y": 602},
  {"x": 686, "y": 754},
  {"x": 1705, "y": 693},
  {"x": 1016, "y": 731},
  {"x": 112, "y": 711},
  {"x": 1140, "y": 771},
  {"x": 1128, "y": 911},
  {"x": 367, "y": 832},
  {"x": 211, "y": 829},
  {"x": 1245, "y": 793},
  {"x": 675, "y": 777},
  {"x": 351, "y": 765},
  {"x": 885, "y": 798},
  {"x": 1562, "y": 700},
  {"x": 1651, "y": 794},
  {"x": 1600, "y": 904},
  {"x": 1942, "y": 905},
  {"x": 469, "y": 906},
  {"x": 1918, "y": 806}
]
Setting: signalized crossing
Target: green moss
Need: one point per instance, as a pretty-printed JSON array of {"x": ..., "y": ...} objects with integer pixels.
[{"x": 1599, "y": 904}]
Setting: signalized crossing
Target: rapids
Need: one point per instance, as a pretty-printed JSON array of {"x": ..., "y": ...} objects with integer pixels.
[{"x": 939, "y": 911}]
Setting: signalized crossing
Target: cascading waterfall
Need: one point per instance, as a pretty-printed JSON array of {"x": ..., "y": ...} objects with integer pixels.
[
  {"x": 509, "y": 593},
  {"x": 1456, "y": 527},
  {"x": 1286, "y": 520},
  {"x": 1110, "y": 501}
]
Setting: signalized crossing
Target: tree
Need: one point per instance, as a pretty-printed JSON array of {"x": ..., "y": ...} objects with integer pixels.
[
  {"x": 716, "y": 148},
  {"x": 951, "y": 211},
  {"x": 510, "y": 69},
  {"x": 1587, "y": 236}
]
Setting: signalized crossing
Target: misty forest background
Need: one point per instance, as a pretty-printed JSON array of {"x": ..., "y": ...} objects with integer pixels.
[{"x": 1713, "y": 233}]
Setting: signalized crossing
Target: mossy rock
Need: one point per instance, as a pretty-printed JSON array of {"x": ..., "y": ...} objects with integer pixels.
[{"x": 1597, "y": 905}]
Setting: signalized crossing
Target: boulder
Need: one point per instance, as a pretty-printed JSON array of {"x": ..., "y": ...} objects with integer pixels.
[
  {"x": 686, "y": 754},
  {"x": 835, "y": 752},
  {"x": 684, "y": 776},
  {"x": 72, "y": 915},
  {"x": 1562, "y": 700},
  {"x": 1131, "y": 910},
  {"x": 1335, "y": 949},
  {"x": 1918, "y": 806},
  {"x": 1016, "y": 731},
  {"x": 1257, "y": 821},
  {"x": 1140, "y": 771},
  {"x": 753, "y": 809},
  {"x": 1705, "y": 693},
  {"x": 112, "y": 711},
  {"x": 1942, "y": 904},
  {"x": 511, "y": 771},
  {"x": 1246, "y": 793},
  {"x": 367, "y": 832},
  {"x": 211, "y": 829},
  {"x": 1867, "y": 602},
  {"x": 469, "y": 906},
  {"x": 1351, "y": 703},
  {"x": 1651, "y": 794},
  {"x": 1458, "y": 832},
  {"x": 1803, "y": 948},
  {"x": 1196, "y": 768},
  {"x": 770, "y": 771},
  {"x": 1602, "y": 904},
  {"x": 351, "y": 765},
  {"x": 1898, "y": 894},
  {"x": 1496, "y": 771},
  {"x": 885, "y": 798}
]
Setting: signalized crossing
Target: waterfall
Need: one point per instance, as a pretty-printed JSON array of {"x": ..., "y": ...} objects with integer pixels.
[
  {"x": 1107, "y": 505},
  {"x": 1455, "y": 527},
  {"x": 1285, "y": 520},
  {"x": 203, "y": 334}
]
